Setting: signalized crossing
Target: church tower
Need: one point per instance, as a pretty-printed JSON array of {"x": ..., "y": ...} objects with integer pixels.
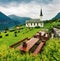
[{"x": 41, "y": 15}]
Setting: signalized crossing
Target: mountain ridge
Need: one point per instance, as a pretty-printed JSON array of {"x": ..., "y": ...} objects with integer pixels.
[
  {"x": 5, "y": 21},
  {"x": 57, "y": 16},
  {"x": 22, "y": 20}
]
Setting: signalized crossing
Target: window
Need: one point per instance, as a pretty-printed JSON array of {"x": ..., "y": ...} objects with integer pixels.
[
  {"x": 34, "y": 23},
  {"x": 37, "y": 24},
  {"x": 31, "y": 23}
]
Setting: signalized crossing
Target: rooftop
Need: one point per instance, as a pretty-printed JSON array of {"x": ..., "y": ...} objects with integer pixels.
[{"x": 33, "y": 21}]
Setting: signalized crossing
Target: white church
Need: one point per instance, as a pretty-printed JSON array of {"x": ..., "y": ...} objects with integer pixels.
[{"x": 35, "y": 22}]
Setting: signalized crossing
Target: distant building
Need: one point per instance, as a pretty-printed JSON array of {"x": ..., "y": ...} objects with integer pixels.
[
  {"x": 18, "y": 27},
  {"x": 35, "y": 22}
]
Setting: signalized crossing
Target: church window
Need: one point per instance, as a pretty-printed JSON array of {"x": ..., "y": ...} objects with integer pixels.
[
  {"x": 34, "y": 23},
  {"x": 37, "y": 24},
  {"x": 31, "y": 23}
]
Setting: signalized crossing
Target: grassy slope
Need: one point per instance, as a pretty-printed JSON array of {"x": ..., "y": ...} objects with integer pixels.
[
  {"x": 51, "y": 50},
  {"x": 11, "y": 39},
  {"x": 51, "y": 24}
]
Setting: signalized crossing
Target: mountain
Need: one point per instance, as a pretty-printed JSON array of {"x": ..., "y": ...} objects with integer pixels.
[
  {"x": 5, "y": 21},
  {"x": 57, "y": 16},
  {"x": 21, "y": 20}
]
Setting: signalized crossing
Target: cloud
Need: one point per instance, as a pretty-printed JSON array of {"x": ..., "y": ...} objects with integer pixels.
[
  {"x": 31, "y": 8},
  {"x": 17, "y": 2},
  {"x": 26, "y": 1}
]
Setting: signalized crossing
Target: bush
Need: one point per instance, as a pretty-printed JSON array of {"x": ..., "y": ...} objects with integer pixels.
[
  {"x": 37, "y": 27},
  {"x": 0, "y": 36},
  {"x": 18, "y": 31},
  {"x": 5, "y": 32},
  {"x": 0, "y": 32},
  {"x": 15, "y": 32},
  {"x": 12, "y": 30},
  {"x": 7, "y": 35}
]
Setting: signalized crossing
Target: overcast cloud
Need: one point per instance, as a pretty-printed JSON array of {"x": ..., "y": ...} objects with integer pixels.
[{"x": 30, "y": 8}]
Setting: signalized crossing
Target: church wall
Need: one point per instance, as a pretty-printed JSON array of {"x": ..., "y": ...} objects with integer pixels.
[
  {"x": 30, "y": 24},
  {"x": 26, "y": 25},
  {"x": 39, "y": 24},
  {"x": 34, "y": 24},
  {"x": 42, "y": 24}
]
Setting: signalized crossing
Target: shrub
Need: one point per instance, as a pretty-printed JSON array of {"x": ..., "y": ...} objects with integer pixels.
[
  {"x": 37, "y": 27},
  {"x": 15, "y": 32},
  {"x": 18, "y": 31},
  {"x": 12, "y": 30},
  {"x": 0, "y": 36},
  {"x": 0, "y": 32},
  {"x": 5, "y": 32},
  {"x": 7, "y": 35}
]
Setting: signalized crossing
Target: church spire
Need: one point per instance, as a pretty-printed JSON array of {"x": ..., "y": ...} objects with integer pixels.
[{"x": 41, "y": 14}]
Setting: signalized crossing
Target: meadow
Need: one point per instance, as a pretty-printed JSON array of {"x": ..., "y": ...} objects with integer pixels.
[{"x": 21, "y": 34}]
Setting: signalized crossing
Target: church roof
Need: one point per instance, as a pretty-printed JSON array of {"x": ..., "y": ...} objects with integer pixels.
[
  {"x": 41, "y": 13},
  {"x": 34, "y": 21}
]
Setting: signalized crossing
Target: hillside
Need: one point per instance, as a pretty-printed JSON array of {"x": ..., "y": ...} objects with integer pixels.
[
  {"x": 57, "y": 16},
  {"x": 5, "y": 21},
  {"x": 55, "y": 20},
  {"x": 21, "y": 20}
]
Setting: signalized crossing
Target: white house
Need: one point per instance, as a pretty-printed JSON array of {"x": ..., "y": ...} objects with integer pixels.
[{"x": 35, "y": 22}]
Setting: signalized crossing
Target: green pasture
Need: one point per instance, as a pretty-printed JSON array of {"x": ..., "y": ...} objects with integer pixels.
[{"x": 11, "y": 39}]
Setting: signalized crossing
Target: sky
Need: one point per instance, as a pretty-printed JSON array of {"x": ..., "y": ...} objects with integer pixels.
[{"x": 30, "y": 8}]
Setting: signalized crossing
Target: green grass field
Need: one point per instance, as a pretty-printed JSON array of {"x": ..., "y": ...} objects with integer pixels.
[{"x": 11, "y": 39}]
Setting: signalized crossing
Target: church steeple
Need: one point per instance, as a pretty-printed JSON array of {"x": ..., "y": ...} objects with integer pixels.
[
  {"x": 41, "y": 18},
  {"x": 41, "y": 14}
]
